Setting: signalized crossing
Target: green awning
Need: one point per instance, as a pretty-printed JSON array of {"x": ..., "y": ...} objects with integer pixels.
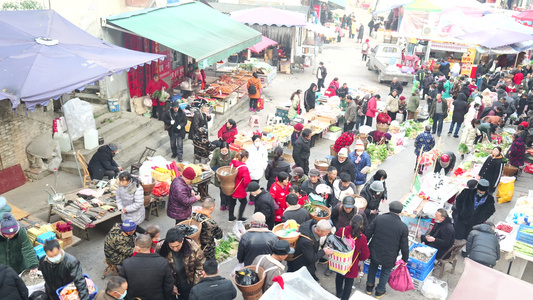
[
  {"x": 423, "y": 5},
  {"x": 193, "y": 29}
]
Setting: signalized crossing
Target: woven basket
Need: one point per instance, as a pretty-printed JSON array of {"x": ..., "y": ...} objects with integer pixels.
[
  {"x": 382, "y": 127},
  {"x": 322, "y": 165},
  {"x": 292, "y": 240},
  {"x": 254, "y": 291},
  {"x": 195, "y": 236},
  {"x": 314, "y": 217}
]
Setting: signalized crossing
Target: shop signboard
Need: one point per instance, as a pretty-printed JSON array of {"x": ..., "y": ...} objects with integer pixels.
[
  {"x": 177, "y": 76},
  {"x": 467, "y": 61},
  {"x": 165, "y": 66}
]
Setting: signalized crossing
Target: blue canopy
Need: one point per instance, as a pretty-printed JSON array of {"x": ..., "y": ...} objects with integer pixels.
[{"x": 42, "y": 56}]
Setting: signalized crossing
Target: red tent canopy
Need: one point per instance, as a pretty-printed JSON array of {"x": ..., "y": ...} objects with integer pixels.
[
  {"x": 263, "y": 44},
  {"x": 526, "y": 15}
]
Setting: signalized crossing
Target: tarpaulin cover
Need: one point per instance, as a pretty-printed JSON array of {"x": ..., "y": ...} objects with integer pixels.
[
  {"x": 34, "y": 72},
  {"x": 193, "y": 29},
  {"x": 263, "y": 44},
  {"x": 269, "y": 16},
  {"x": 526, "y": 17},
  {"x": 476, "y": 280}
]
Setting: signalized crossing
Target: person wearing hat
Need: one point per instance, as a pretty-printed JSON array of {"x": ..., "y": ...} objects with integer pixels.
[
  {"x": 16, "y": 250},
  {"x": 309, "y": 186},
  {"x": 59, "y": 269},
  {"x": 402, "y": 107},
  {"x": 344, "y": 212},
  {"x": 272, "y": 263},
  {"x": 492, "y": 169},
  {"x": 388, "y": 235},
  {"x": 446, "y": 162},
  {"x": 302, "y": 150},
  {"x": 102, "y": 163},
  {"x": 373, "y": 196},
  {"x": 175, "y": 121},
  {"x": 442, "y": 235},
  {"x": 380, "y": 175},
  {"x": 264, "y": 203},
  {"x": 297, "y": 132},
  {"x": 298, "y": 177},
  {"x": 343, "y": 164},
  {"x": 119, "y": 242},
  {"x": 472, "y": 207},
  {"x": 181, "y": 196},
  {"x": 257, "y": 240},
  {"x": 4, "y": 207},
  {"x": 295, "y": 211},
  {"x": 361, "y": 161},
  {"x": 342, "y": 187},
  {"x": 212, "y": 285}
]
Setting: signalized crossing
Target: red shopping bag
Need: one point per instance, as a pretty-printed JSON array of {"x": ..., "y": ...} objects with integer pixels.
[
  {"x": 399, "y": 279},
  {"x": 528, "y": 168},
  {"x": 161, "y": 189},
  {"x": 260, "y": 103}
]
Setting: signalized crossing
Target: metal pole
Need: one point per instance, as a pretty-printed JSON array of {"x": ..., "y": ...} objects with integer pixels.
[{"x": 72, "y": 144}]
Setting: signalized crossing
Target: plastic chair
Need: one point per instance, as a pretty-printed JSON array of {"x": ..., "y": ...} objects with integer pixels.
[
  {"x": 452, "y": 259},
  {"x": 83, "y": 163},
  {"x": 254, "y": 121},
  {"x": 148, "y": 152}
]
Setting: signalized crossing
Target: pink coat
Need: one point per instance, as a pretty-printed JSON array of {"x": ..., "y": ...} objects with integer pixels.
[{"x": 371, "y": 108}]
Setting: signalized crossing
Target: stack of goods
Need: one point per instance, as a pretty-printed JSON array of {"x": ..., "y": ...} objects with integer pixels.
[
  {"x": 288, "y": 229},
  {"x": 281, "y": 132},
  {"x": 420, "y": 264},
  {"x": 69, "y": 291},
  {"x": 64, "y": 232},
  {"x": 524, "y": 240},
  {"x": 167, "y": 173}
]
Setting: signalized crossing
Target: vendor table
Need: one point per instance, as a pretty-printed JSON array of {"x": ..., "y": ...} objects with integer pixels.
[
  {"x": 202, "y": 187},
  {"x": 510, "y": 262}
]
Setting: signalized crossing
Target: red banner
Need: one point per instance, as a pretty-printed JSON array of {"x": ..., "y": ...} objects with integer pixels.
[
  {"x": 165, "y": 66},
  {"x": 177, "y": 76}
]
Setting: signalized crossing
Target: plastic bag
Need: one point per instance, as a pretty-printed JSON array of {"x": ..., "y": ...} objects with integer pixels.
[
  {"x": 399, "y": 279},
  {"x": 434, "y": 288},
  {"x": 238, "y": 229},
  {"x": 161, "y": 189},
  {"x": 147, "y": 102},
  {"x": 238, "y": 267},
  {"x": 246, "y": 277},
  {"x": 79, "y": 117},
  {"x": 505, "y": 189}
]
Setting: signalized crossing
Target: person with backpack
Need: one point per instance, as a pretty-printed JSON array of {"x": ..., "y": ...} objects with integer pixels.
[{"x": 254, "y": 91}]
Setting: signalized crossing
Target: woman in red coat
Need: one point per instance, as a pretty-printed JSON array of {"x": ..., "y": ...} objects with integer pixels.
[
  {"x": 241, "y": 183},
  {"x": 383, "y": 118},
  {"x": 361, "y": 253},
  {"x": 226, "y": 133},
  {"x": 279, "y": 191},
  {"x": 156, "y": 85}
]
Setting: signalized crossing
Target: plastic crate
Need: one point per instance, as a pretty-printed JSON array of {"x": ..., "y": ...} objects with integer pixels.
[
  {"x": 418, "y": 283},
  {"x": 524, "y": 237},
  {"x": 42, "y": 238},
  {"x": 419, "y": 275},
  {"x": 415, "y": 264},
  {"x": 39, "y": 250},
  {"x": 367, "y": 265},
  {"x": 91, "y": 295}
]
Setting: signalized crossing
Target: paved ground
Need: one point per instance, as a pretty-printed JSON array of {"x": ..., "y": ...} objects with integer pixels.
[{"x": 342, "y": 60}]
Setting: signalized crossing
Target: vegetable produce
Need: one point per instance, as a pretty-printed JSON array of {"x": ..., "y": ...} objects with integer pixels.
[
  {"x": 467, "y": 165},
  {"x": 523, "y": 248},
  {"x": 225, "y": 248},
  {"x": 463, "y": 148},
  {"x": 505, "y": 228}
]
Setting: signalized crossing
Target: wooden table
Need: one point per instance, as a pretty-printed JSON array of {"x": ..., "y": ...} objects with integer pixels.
[{"x": 202, "y": 187}]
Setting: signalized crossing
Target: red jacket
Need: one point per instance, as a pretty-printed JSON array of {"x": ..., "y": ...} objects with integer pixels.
[
  {"x": 518, "y": 77},
  {"x": 227, "y": 135},
  {"x": 371, "y": 107},
  {"x": 509, "y": 89},
  {"x": 330, "y": 92},
  {"x": 242, "y": 180},
  {"x": 361, "y": 252},
  {"x": 156, "y": 86},
  {"x": 383, "y": 118},
  {"x": 303, "y": 200},
  {"x": 279, "y": 194}
]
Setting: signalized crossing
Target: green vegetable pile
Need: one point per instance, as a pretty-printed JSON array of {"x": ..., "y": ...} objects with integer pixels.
[
  {"x": 412, "y": 129},
  {"x": 463, "y": 148},
  {"x": 224, "y": 248},
  {"x": 467, "y": 165},
  {"x": 523, "y": 248},
  {"x": 377, "y": 152},
  {"x": 159, "y": 95}
]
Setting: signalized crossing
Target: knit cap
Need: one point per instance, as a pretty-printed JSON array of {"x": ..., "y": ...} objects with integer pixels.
[
  {"x": 189, "y": 173},
  {"x": 359, "y": 145},
  {"x": 128, "y": 225},
  {"x": 8, "y": 224}
]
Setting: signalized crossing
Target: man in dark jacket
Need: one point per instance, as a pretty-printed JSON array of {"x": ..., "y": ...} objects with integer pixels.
[
  {"x": 482, "y": 245},
  {"x": 212, "y": 286},
  {"x": 201, "y": 119},
  {"x": 342, "y": 91},
  {"x": 309, "y": 186},
  {"x": 460, "y": 108},
  {"x": 396, "y": 85},
  {"x": 11, "y": 285},
  {"x": 388, "y": 235},
  {"x": 442, "y": 235},
  {"x": 306, "y": 253},
  {"x": 294, "y": 211},
  {"x": 438, "y": 111},
  {"x": 342, "y": 214},
  {"x": 472, "y": 207},
  {"x": 102, "y": 163},
  {"x": 175, "y": 121},
  {"x": 343, "y": 164},
  {"x": 148, "y": 274},
  {"x": 256, "y": 241},
  {"x": 59, "y": 269},
  {"x": 373, "y": 196},
  {"x": 264, "y": 203},
  {"x": 302, "y": 150}
]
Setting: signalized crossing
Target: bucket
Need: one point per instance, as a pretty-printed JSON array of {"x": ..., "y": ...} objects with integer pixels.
[
  {"x": 195, "y": 236},
  {"x": 254, "y": 291},
  {"x": 148, "y": 188},
  {"x": 90, "y": 139},
  {"x": 321, "y": 165},
  {"x": 113, "y": 105},
  {"x": 63, "y": 140},
  {"x": 227, "y": 181}
]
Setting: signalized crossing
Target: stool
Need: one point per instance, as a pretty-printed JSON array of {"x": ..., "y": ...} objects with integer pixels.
[
  {"x": 254, "y": 121},
  {"x": 270, "y": 119},
  {"x": 110, "y": 269},
  {"x": 152, "y": 209},
  {"x": 277, "y": 121}
]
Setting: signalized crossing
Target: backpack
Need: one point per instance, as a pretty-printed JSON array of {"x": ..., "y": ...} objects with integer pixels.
[
  {"x": 365, "y": 106},
  {"x": 252, "y": 89}
]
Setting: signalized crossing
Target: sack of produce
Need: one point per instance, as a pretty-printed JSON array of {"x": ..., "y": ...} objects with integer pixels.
[
  {"x": 246, "y": 277},
  {"x": 505, "y": 189}
]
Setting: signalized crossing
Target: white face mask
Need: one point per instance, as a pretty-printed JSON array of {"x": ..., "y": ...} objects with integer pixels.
[
  {"x": 359, "y": 153},
  {"x": 257, "y": 143},
  {"x": 56, "y": 259}
]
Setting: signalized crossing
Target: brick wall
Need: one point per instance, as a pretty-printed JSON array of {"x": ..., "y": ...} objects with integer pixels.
[{"x": 18, "y": 129}]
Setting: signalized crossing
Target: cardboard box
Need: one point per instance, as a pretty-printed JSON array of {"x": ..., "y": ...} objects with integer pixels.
[
  {"x": 332, "y": 136},
  {"x": 61, "y": 235},
  {"x": 325, "y": 120},
  {"x": 221, "y": 107},
  {"x": 288, "y": 158},
  {"x": 66, "y": 241}
]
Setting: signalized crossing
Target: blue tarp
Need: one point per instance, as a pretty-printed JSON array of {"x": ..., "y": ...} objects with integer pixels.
[{"x": 42, "y": 56}]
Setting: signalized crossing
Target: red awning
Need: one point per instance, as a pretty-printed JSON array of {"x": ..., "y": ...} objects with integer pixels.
[{"x": 262, "y": 45}]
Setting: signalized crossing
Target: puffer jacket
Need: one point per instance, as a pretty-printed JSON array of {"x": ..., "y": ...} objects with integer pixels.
[
  {"x": 102, "y": 161},
  {"x": 360, "y": 178},
  {"x": 388, "y": 235},
  {"x": 257, "y": 83},
  {"x": 392, "y": 104},
  {"x": 371, "y": 107},
  {"x": 255, "y": 242},
  {"x": 11, "y": 285},
  {"x": 271, "y": 173},
  {"x": 131, "y": 197},
  {"x": 306, "y": 253},
  {"x": 351, "y": 112},
  {"x": 460, "y": 108},
  {"x": 218, "y": 160},
  {"x": 193, "y": 259},
  {"x": 227, "y": 135},
  {"x": 301, "y": 153},
  {"x": 257, "y": 161},
  {"x": 18, "y": 252},
  {"x": 180, "y": 200},
  {"x": 58, "y": 275},
  {"x": 279, "y": 194},
  {"x": 117, "y": 246},
  {"x": 210, "y": 232},
  {"x": 242, "y": 180},
  {"x": 264, "y": 203},
  {"x": 414, "y": 102},
  {"x": 483, "y": 246}
]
